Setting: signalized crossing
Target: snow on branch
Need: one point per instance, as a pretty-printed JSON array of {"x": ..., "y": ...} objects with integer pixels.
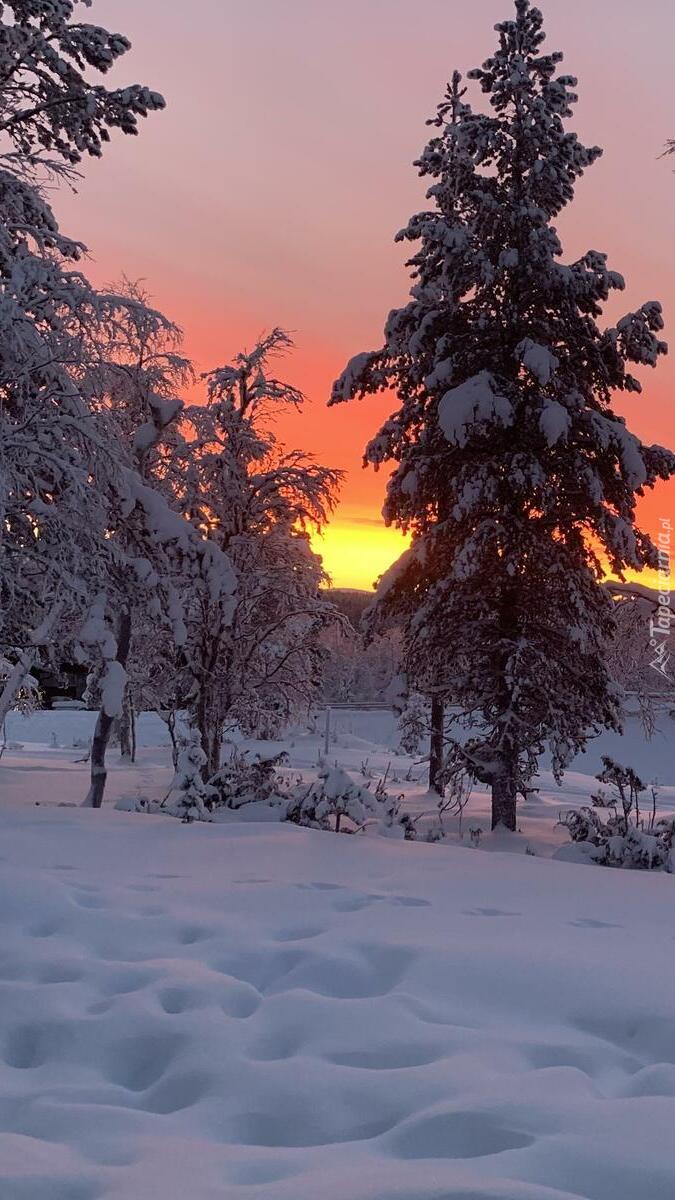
[
  {"x": 472, "y": 404},
  {"x": 358, "y": 378},
  {"x": 538, "y": 360}
]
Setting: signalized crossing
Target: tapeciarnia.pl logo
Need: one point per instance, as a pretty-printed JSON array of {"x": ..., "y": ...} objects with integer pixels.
[{"x": 660, "y": 622}]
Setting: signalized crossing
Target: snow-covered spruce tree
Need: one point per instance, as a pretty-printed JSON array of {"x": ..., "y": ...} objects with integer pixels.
[
  {"x": 513, "y": 474},
  {"x": 257, "y": 663},
  {"x": 53, "y": 467},
  {"x": 50, "y": 110}
]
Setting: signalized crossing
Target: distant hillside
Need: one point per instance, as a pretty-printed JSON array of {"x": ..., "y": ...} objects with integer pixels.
[{"x": 350, "y": 601}]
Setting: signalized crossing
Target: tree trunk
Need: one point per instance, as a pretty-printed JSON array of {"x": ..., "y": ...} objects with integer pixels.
[
  {"x": 436, "y": 746},
  {"x": 104, "y": 724},
  {"x": 171, "y": 726},
  {"x": 99, "y": 745},
  {"x": 127, "y": 729},
  {"x": 213, "y": 763},
  {"x": 210, "y": 735},
  {"x": 132, "y": 729},
  {"x": 504, "y": 802},
  {"x": 204, "y": 733}
]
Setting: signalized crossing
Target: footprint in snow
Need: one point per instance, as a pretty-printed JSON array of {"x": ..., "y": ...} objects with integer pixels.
[
  {"x": 360, "y": 900},
  {"x": 88, "y": 899},
  {"x": 355, "y": 903},
  {"x": 321, "y": 887},
  {"x": 46, "y": 929},
  {"x": 260, "y": 1172},
  {"x": 59, "y": 972},
  {"x": 489, "y": 912},
  {"x": 192, "y": 934},
  {"x": 300, "y": 933},
  {"x": 592, "y": 923},
  {"x": 456, "y": 1135},
  {"x": 176, "y": 1000}
]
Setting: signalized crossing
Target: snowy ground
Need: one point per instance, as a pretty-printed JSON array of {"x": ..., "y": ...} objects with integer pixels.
[{"x": 246, "y": 1010}]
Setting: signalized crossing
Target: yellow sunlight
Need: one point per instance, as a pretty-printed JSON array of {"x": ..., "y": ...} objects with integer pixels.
[{"x": 356, "y": 552}]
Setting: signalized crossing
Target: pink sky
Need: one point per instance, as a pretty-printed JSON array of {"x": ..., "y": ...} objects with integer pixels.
[{"x": 269, "y": 191}]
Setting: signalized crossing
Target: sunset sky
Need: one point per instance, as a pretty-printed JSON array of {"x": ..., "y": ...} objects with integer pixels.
[{"x": 269, "y": 191}]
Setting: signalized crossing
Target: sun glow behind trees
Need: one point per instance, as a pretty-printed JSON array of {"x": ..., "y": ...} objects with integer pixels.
[
  {"x": 342, "y": 185},
  {"x": 357, "y": 550}
]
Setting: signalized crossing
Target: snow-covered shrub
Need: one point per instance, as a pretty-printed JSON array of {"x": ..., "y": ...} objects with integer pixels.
[
  {"x": 623, "y": 837},
  {"x": 242, "y": 780},
  {"x": 393, "y": 822},
  {"x": 327, "y": 800},
  {"x": 134, "y": 804},
  {"x": 337, "y": 802},
  {"x": 189, "y": 797},
  {"x": 457, "y": 787},
  {"x": 413, "y": 724}
]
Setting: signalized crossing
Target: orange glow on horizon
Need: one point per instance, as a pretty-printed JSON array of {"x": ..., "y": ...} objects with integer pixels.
[{"x": 356, "y": 552}]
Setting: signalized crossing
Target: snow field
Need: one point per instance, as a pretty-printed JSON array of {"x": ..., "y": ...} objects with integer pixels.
[
  {"x": 248, "y": 1010},
  {"x": 260, "y": 1011}
]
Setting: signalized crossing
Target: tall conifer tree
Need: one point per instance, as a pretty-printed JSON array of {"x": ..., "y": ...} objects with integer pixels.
[{"x": 513, "y": 473}]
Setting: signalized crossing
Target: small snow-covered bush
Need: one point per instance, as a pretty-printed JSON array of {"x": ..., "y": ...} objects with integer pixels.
[
  {"x": 242, "y": 780},
  {"x": 393, "y": 822},
  {"x": 337, "y": 802},
  {"x": 457, "y": 787},
  {"x": 332, "y": 801},
  {"x": 413, "y": 724},
  {"x": 189, "y": 797},
  {"x": 135, "y": 804},
  {"x": 613, "y": 831},
  {"x": 239, "y": 782}
]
